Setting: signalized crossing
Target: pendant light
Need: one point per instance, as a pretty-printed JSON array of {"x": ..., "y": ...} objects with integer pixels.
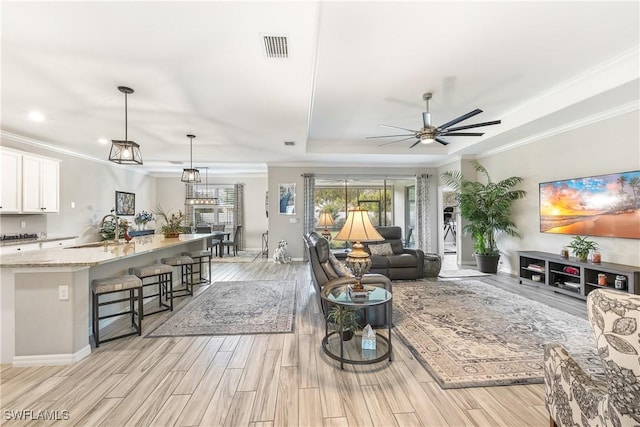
[
  {"x": 125, "y": 152},
  {"x": 190, "y": 175}
]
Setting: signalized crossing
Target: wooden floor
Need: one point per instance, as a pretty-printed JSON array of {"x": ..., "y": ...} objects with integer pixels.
[{"x": 260, "y": 380}]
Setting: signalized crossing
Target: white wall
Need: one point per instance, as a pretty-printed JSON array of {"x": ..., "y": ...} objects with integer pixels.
[
  {"x": 606, "y": 147},
  {"x": 91, "y": 186},
  {"x": 290, "y": 227}
]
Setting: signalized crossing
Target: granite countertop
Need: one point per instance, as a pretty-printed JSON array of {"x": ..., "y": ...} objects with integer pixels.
[
  {"x": 96, "y": 253},
  {"x": 36, "y": 240}
]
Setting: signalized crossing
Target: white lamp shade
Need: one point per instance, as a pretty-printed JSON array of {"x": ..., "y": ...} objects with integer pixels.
[
  {"x": 358, "y": 228},
  {"x": 326, "y": 220}
]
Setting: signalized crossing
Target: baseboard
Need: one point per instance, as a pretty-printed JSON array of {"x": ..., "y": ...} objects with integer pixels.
[{"x": 51, "y": 359}]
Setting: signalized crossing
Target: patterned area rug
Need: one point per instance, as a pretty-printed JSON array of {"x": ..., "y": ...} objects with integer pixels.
[
  {"x": 242, "y": 256},
  {"x": 232, "y": 308},
  {"x": 470, "y": 334}
]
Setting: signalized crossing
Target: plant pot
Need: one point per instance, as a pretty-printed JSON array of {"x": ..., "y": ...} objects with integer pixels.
[
  {"x": 171, "y": 235},
  {"x": 487, "y": 263},
  {"x": 583, "y": 258},
  {"x": 347, "y": 335}
]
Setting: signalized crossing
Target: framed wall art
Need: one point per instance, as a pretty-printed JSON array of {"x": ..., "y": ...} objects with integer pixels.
[
  {"x": 287, "y": 199},
  {"x": 125, "y": 203}
]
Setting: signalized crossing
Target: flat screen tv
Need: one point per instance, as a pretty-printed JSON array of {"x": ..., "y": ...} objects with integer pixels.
[{"x": 603, "y": 205}]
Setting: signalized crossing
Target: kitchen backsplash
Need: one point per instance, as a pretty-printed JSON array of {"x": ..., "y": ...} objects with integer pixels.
[{"x": 12, "y": 224}]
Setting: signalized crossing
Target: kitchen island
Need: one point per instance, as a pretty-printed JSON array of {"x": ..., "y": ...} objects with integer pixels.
[{"x": 45, "y": 299}]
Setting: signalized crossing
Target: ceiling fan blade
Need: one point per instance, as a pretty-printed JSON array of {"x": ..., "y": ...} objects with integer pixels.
[
  {"x": 442, "y": 141},
  {"x": 461, "y": 118},
  {"x": 463, "y": 134},
  {"x": 393, "y": 142},
  {"x": 397, "y": 127},
  {"x": 415, "y": 143},
  {"x": 477, "y": 125},
  {"x": 388, "y": 136}
]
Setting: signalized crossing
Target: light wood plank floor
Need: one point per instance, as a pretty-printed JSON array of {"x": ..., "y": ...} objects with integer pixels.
[{"x": 261, "y": 380}]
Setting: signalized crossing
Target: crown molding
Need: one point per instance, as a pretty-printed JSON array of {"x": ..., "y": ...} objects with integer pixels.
[{"x": 585, "y": 121}]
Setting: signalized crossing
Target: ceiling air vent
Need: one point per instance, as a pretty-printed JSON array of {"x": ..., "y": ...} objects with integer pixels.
[
  {"x": 175, "y": 162},
  {"x": 276, "y": 46}
]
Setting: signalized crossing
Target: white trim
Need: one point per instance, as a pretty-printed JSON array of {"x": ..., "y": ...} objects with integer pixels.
[
  {"x": 52, "y": 359},
  {"x": 576, "y": 124},
  {"x": 39, "y": 144}
]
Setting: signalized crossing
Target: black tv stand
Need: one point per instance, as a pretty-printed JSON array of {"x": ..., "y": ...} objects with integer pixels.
[{"x": 572, "y": 277}]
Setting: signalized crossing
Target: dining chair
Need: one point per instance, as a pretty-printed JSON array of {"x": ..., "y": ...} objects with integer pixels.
[
  {"x": 235, "y": 242},
  {"x": 203, "y": 228}
]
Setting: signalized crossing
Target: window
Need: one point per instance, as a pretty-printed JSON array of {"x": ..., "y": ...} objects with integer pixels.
[
  {"x": 337, "y": 196},
  {"x": 212, "y": 203},
  {"x": 410, "y": 215}
]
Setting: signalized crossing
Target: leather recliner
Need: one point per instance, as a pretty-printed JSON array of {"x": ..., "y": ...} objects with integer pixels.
[
  {"x": 403, "y": 263},
  {"x": 324, "y": 275}
]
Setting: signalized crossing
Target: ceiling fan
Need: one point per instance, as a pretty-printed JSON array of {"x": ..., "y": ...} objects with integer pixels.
[{"x": 429, "y": 134}]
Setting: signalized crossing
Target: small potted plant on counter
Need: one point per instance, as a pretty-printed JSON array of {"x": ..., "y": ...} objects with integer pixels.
[
  {"x": 174, "y": 223},
  {"x": 581, "y": 247}
]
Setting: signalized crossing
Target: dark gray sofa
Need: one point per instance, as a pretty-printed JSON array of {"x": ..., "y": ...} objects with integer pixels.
[
  {"x": 323, "y": 275},
  {"x": 403, "y": 264}
]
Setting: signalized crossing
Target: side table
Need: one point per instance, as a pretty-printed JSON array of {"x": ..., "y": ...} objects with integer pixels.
[{"x": 350, "y": 351}]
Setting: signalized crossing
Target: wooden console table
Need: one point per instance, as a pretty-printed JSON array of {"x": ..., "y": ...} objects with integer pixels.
[{"x": 572, "y": 277}]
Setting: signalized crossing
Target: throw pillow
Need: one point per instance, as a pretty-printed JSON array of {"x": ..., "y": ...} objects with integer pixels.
[
  {"x": 329, "y": 270},
  {"x": 339, "y": 267},
  {"x": 382, "y": 249}
]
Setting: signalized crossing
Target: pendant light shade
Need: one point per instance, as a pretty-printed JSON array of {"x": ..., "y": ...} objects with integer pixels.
[
  {"x": 190, "y": 175},
  {"x": 125, "y": 152}
]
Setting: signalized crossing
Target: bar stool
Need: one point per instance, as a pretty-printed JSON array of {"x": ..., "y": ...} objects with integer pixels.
[
  {"x": 199, "y": 258},
  {"x": 112, "y": 285},
  {"x": 161, "y": 275},
  {"x": 186, "y": 274}
]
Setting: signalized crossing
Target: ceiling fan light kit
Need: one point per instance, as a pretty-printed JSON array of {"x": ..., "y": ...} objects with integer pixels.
[
  {"x": 125, "y": 152},
  {"x": 429, "y": 134}
]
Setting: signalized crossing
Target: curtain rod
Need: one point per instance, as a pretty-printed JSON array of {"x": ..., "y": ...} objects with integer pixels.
[{"x": 370, "y": 176}]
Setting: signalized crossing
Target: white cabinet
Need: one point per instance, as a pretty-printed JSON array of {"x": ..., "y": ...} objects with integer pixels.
[
  {"x": 10, "y": 194},
  {"x": 14, "y": 249},
  {"x": 40, "y": 184},
  {"x": 57, "y": 243}
]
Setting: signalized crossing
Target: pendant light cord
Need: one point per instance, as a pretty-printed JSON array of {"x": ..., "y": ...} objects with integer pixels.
[{"x": 126, "y": 137}]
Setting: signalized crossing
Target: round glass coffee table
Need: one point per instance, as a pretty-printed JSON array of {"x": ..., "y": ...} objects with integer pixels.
[{"x": 351, "y": 351}]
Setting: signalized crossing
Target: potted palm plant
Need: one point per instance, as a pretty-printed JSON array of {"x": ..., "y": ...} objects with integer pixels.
[{"x": 487, "y": 209}]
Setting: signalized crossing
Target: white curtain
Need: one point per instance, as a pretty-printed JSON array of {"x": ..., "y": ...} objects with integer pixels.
[
  {"x": 309, "y": 208},
  {"x": 238, "y": 211},
  {"x": 423, "y": 213}
]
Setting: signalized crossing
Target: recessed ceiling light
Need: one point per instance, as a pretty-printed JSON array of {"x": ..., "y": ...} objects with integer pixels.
[
  {"x": 36, "y": 116},
  {"x": 103, "y": 140}
]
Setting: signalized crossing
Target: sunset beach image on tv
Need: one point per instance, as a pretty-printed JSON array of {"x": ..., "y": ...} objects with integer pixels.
[{"x": 604, "y": 205}]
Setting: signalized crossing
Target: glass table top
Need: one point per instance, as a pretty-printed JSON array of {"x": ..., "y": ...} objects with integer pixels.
[{"x": 340, "y": 295}]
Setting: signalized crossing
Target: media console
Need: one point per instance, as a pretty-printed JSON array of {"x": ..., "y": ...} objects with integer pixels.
[{"x": 575, "y": 278}]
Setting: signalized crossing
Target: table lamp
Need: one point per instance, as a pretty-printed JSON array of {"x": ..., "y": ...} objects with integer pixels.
[
  {"x": 358, "y": 228},
  {"x": 326, "y": 221}
]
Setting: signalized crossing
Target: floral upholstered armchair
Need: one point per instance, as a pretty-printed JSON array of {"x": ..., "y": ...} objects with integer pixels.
[{"x": 572, "y": 396}]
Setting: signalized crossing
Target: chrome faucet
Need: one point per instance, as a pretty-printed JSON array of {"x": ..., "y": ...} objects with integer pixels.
[{"x": 117, "y": 225}]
